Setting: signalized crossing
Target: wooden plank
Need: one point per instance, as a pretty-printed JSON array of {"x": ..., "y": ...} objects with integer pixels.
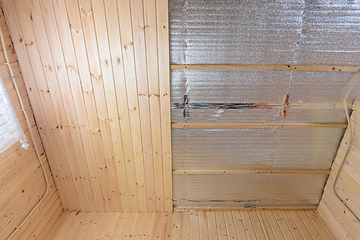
[
  {"x": 120, "y": 228},
  {"x": 58, "y": 225},
  {"x": 292, "y": 225},
  {"x": 132, "y": 100},
  {"x": 127, "y": 169},
  {"x": 259, "y": 232},
  {"x": 175, "y": 233},
  {"x": 274, "y": 225},
  {"x": 140, "y": 225},
  {"x": 78, "y": 67},
  {"x": 300, "y": 224},
  {"x": 269, "y": 68},
  {"x": 282, "y": 223},
  {"x": 248, "y": 227},
  {"x": 194, "y": 225},
  {"x": 230, "y": 226},
  {"x": 149, "y": 226},
  {"x": 265, "y": 224},
  {"x": 200, "y": 208},
  {"x": 239, "y": 225},
  {"x": 218, "y": 172},
  {"x": 256, "y": 125},
  {"x": 203, "y": 225},
  {"x": 130, "y": 226},
  {"x": 211, "y": 221},
  {"x": 314, "y": 218},
  {"x": 149, "y": 26},
  {"x": 164, "y": 81},
  {"x": 309, "y": 225},
  {"x": 184, "y": 225},
  {"x": 221, "y": 225}
]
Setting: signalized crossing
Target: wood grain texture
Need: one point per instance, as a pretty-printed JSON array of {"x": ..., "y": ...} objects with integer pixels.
[
  {"x": 97, "y": 73},
  {"x": 334, "y": 213},
  {"x": 22, "y": 182},
  {"x": 242, "y": 225}
]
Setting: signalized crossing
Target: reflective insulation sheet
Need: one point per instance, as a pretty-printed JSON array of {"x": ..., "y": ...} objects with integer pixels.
[
  {"x": 247, "y": 190},
  {"x": 262, "y": 87},
  {"x": 264, "y": 32},
  {"x": 254, "y": 148}
]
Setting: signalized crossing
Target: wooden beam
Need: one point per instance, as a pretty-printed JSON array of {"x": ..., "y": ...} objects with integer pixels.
[
  {"x": 218, "y": 172},
  {"x": 255, "y": 125},
  {"x": 243, "y": 208},
  {"x": 269, "y": 68}
]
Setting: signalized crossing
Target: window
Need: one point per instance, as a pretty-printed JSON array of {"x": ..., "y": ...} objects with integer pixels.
[{"x": 10, "y": 129}]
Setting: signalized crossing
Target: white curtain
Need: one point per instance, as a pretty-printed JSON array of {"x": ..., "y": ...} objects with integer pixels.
[{"x": 10, "y": 128}]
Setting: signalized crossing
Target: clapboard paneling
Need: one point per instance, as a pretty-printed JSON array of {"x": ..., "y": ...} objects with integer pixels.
[
  {"x": 97, "y": 73},
  {"x": 343, "y": 224},
  {"x": 22, "y": 182}
]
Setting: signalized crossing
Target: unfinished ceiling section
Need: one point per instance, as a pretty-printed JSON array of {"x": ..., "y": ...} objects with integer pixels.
[{"x": 238, "y": 66}]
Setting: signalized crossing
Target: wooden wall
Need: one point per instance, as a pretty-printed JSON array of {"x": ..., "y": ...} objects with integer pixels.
[
  {"x": 334, "y": 213},
  {"x": 22, "y": 182},
  {"x": 97, "y": 74}
]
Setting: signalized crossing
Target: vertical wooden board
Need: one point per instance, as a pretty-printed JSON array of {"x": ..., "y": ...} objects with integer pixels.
[
  {"x": 70, "y": 27},
  {"x": 259, "y": 232},
  {"x": 314, "y": 218},
  {"x": 88, "y": 27},
  {"x": 112, "y": 225},
  {"x": 140, "y": 226},
  {"x": 164, "y": 82},
  {"x": 194, "y": 225},
  {"x": 230, "y": 226},
  {"x": 291, "y": 224},
  {"x": 113, "y": 166},
  {"x": 221, "y": 225},
  {"x": 58, "y": 225},
  {"x": 239, "y": 225},
  {"x": 176, "y": 226},
  {"x": 80, "y": 116},
  {"x": 154, "y": 95},
  {"x": 336, "y": 225},
  {"x": 133, "y": 105},
  {"x": 265, "y": 224},
  {"x": 283, "y": 225},
  {"x": 159, "y": 231},
  {"x": 184, "y": 223},
  {"x": 167, "y": 225},
  {"x": 130, "y": 226},
  {"x": 249, "y": 230},
  {"x": 126, "y": 174},
  {"x": 59, "y": 86},
  {"x": 314, "y": 233},
  {"x": 33, "y": 93},
  {"x": 300, "y": 225},
  {"x": 211, "y": 220},
  {"x": 137, "y": 20},
  {"x": 120, "y": 227},
  {"x": 203, "y": 225},
  {"x": 149, "y": 226},
  {"x": 274, "y": 225},
  {"x": 44, "y": 68}
]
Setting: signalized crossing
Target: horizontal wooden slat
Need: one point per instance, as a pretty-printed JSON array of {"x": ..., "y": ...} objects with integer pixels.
[
  {"x": 269, "y": 68},
  {"x": 255, "y": 125},
  {"x": 251, "y": 172}
]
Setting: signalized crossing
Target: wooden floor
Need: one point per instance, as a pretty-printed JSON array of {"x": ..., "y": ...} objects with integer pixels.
[{"x": 253, "y": 224}]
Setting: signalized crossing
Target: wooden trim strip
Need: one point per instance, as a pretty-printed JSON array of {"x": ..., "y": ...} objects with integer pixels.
[
  {"x": 255, "y": 125},
  {"x": 244, "y": 208},
  {"x": 201, "y": 172},
  {"x": 269, "y": 68}
]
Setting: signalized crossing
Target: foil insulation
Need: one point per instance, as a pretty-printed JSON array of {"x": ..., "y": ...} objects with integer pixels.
[
  {"x": 264, "y": 32},
  {"x": 254, "y": 148},
  {"x": 245, "y": 190}
]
